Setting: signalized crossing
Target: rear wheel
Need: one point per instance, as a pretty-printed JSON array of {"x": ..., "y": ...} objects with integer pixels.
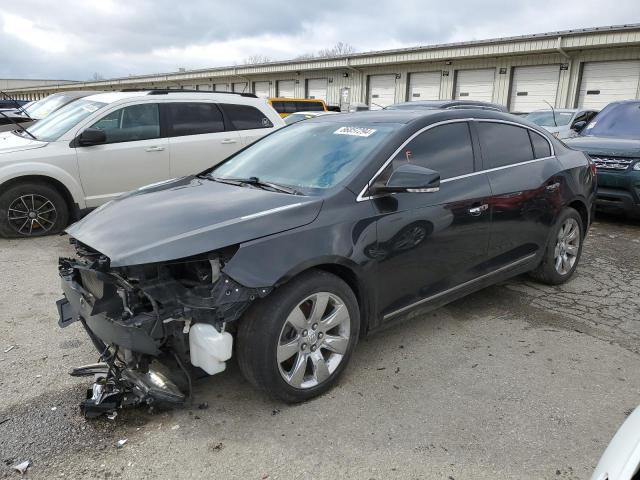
[
  {"x": 32, "y": 209},
  {"x": 295, "y": 343},
  {"x": 563, "y": 251}
]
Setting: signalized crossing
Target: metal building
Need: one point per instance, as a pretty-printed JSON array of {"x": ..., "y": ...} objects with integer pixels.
[{"x": 585, "y": 67}]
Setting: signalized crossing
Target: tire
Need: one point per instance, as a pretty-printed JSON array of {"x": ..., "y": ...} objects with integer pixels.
[
  {"x": 47, "y": 206},
  {"x": 548, "y": 271},
  {"x": 267, "y": 330}
]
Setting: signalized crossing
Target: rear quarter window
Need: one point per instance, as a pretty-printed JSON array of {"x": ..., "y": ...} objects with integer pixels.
[
  {"x": 541, "y": 148},
  {"x": 245, "y": 117}
]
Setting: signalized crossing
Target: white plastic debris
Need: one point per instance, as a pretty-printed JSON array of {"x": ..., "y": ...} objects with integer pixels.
[
  {"x": 175, "y": 427},
  {"x": 53, "y": 409},
  {"x": 22, "y": 467},
  {"x": 112, "y": 415},
  {"x": 121, "y": 443},
  {"x": 11, "y": 347}
]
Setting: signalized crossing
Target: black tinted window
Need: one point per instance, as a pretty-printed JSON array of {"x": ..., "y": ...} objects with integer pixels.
[
  {"x": 541, "y": 148},
  {"x": 278, "y": 106},
  {"x": 446, "y": 149},
  {"x": 310, "y": 107},
  {"x": 128, "y": 124},
  {"x": 244, "y": 117},
  {"x": 194, "y": 119},
  {"x": 503, "y": 144}
]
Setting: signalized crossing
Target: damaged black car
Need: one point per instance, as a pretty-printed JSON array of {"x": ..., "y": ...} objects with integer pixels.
[{"x": 293, "y": 248}]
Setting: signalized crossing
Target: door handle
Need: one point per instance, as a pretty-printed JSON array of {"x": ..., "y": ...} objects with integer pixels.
[
  {"x": 154, "y": 149},
  {"x": 227, "y": 141},
  {"x": 475, "y": 211}
]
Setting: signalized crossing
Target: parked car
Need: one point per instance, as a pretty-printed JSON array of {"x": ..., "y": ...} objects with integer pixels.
[
  {"x": 287, "y": 106},
  {"x": 39, "y": 109},
  {"x": 621, "y": 459},
  {"x": 11, "y": 104},
  {"x": 299, "y": 116},
  {"x": 446, "y": 105},
  {"x": 612, "y": 140},
  {"x": 562, "y": 122},
  {"x": 100, "y": 146},
  {"x": 323, "y": 231}
]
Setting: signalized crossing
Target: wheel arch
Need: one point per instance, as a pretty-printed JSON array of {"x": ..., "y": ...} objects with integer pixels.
[
  {"x": 74, "y": 208},
  {"x": 580, "y": 206}
]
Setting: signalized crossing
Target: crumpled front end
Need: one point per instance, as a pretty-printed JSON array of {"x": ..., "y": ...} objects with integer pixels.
[{"x": 147, "y": 319}]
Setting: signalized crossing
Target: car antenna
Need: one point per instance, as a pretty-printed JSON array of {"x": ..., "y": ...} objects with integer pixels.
[
  {"x": 18, "y": 106},
  {"x": 553, "y": 112}
]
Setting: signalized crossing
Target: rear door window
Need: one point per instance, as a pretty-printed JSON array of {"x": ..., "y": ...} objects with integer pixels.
[
  {"x": 128, "y": 124},
  {"x": 191, "y": 118},
  {"x": 245, "y": 117},
  {"x": 503, "y": 144},
  {"x": 541, "y": 148}
]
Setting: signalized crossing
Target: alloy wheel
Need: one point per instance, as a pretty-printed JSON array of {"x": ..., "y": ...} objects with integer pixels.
[
  {"x": 313, "y": 340},
  {"x": 32, "y": 214},
  {"x": 567, "y": 246}
]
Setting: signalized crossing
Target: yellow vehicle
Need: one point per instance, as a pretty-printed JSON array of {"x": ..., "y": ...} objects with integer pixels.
[{"x": 287, "y": 106}]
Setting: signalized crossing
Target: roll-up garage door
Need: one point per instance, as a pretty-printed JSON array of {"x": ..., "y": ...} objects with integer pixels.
[
  {"x": 382, "y": 91},
  {"x": 475, "y": 84},
  {"x": 317, "y": 88},
  {"x": 286, "y": 88},
  {"x": 424, "y": 86},
  {"x": 605, "y": 82},
  {"x": 261, "y": 89},
  {"x": 221, "y": 87},
  {"x": 532, "y": 87},
  {"x": 204, "y": 87},
  {"x": 240, "y": 87}
]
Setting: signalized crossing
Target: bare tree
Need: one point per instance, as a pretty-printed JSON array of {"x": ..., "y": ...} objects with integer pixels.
[
  {"x": 96, "y": 77},
  {"x": 306, "y": 56},
  {"x": 340, "y": 49},
  {"x": 254, "y": 59}
]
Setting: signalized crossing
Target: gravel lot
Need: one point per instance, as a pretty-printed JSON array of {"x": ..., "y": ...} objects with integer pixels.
[{"x": 516, "y": 381}]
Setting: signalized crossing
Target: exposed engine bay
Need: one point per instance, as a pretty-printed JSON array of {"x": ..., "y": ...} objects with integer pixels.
[{"x": 143, "y": 318}]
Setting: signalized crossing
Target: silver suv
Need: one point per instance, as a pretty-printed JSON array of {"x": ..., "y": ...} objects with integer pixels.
[{"x": 103, "y": 145}]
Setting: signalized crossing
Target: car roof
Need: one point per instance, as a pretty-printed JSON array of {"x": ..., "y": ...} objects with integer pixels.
[
  {"x": 222, "y": 97},
  {"x": 434, "y": 104},
  {"x": 562, "y": 110}
]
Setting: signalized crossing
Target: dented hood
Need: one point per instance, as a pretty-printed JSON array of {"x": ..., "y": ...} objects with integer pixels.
[{"x": 188, "y": 216}]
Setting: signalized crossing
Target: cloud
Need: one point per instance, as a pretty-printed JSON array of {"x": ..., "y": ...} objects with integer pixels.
[{"x": 73, "y": 39}]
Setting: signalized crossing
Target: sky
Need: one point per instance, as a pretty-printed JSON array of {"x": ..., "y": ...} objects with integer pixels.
[{"x": 74, "y": 40}]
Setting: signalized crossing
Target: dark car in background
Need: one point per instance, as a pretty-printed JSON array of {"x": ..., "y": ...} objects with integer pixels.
[
  {"x": 612, "y": 140},
  {"x": 446, "y": 105},
  {"x": 312, "y": 236},
  {"x": 39, "y": 109}
]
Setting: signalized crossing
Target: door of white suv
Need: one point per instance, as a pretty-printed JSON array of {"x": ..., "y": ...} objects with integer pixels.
[
  {"x": 197, "y": 136},
  {"x": 134, "y": 154},
  {"x": 249, "y": 121}
]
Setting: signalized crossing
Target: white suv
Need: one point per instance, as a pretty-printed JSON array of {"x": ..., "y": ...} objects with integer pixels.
[{"x": 100, "y": 146}]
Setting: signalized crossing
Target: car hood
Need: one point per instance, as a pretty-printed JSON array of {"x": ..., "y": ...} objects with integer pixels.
[
  {"x": 187, "y": 216},
  {"x": 10, "y": 143},
  {"x": 618, "y": 147}
]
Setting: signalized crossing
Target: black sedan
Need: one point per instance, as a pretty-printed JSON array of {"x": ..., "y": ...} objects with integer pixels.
[{"x": 315, "y": 235}]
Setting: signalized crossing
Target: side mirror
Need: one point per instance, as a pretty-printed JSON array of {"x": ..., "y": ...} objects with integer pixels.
[
  {"x": 91, "y": 136},
  {"x": 411, "y": 178},
  {"x": 578, "y": 126}
]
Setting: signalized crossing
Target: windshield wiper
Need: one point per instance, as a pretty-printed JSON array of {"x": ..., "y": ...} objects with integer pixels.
[
  {"x": 18, "y": 106},
  {"x": 17, "y": 124},
  {"x": 256, "y": 182}
]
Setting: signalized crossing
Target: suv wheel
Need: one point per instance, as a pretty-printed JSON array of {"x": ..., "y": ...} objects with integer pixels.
[
  {"x": 295, "y": 343},
  {"x": 32, "y": 209},
  {"x": 563, "y": 250}
]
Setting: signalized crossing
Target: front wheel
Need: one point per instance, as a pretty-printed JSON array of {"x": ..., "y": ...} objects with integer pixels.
[
  {"x": 563, "y": 251},
  {"x": 295, "y": 343},
  {"x": 32, "y": 209}
]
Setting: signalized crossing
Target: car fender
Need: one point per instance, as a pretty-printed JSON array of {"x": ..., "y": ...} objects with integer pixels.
[{"x": 24, "y": 169}]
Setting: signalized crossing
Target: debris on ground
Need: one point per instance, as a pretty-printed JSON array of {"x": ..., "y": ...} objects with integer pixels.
[
  {"x": 11, "y": 347},
  {"x": 53, "y": 409},
  {"x": 112, "y": 415},
  {"x": 175, "y": 427},
  {"x": 22, "y": 467},
  {"x": 216, "y": 447},
  {"x": 203, "y": 406},
  {"x": 120, "y": 443},
  {"x": 275, "y": 412}
]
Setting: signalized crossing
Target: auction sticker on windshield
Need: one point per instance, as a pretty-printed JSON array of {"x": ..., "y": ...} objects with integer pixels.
[{"x": 355, "y": 131}]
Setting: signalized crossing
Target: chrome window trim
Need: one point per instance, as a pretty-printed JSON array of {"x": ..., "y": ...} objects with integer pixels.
[
  {"x": 458, "y": 287},
  {"x": 361, "y": 196}
]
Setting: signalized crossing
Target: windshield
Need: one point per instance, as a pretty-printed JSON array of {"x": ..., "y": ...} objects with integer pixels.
[
  {"x": 618, "y": 120},
  {"x": 545, "y": 119},
  {"x": 308, "y": 154},
  {"x": 44, "y": 107},
  {"x": 61, "y": 121}
]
